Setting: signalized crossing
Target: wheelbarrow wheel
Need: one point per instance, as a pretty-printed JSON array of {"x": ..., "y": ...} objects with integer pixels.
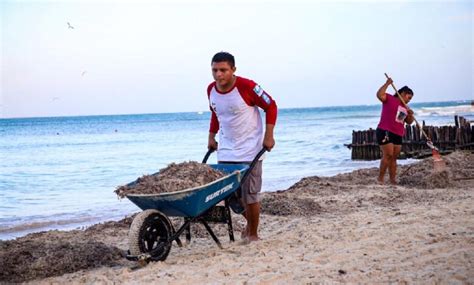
[{"x": 149, "y": 230}]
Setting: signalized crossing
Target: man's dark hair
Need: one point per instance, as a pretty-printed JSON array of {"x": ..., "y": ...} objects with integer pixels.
[
  {"x": 224, "y": 56},
  {"x": 406, "y": 90}
]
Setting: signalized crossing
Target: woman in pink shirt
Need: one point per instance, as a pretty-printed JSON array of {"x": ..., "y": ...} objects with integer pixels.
[{"x": 391, "y": 128}]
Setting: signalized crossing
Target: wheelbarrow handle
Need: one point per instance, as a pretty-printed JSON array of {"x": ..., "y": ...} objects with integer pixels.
[
  {"x": 234, "y": 200},
  {"x": 211, "y": 150},
  {"x": 252, "y": 164}
]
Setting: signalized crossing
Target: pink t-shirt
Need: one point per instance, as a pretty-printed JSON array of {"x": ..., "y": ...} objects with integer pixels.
[{"x": 393, "y": 116}]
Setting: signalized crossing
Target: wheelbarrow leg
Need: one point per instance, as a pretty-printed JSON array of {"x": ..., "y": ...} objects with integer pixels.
[
  {"x": 230, "y": 229},
  {"x": 178, "y": 240},
  {"x": 214, "y": 237},
  {"x": 188, "y": 231}
]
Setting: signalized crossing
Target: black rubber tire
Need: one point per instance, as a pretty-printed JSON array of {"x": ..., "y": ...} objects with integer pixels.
[{"x": 149, "y": 229}]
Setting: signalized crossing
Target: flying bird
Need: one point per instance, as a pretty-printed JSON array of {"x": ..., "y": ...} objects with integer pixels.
[
  {"x": 69, "y": 26},
  {"x": 84, "y": 72}
]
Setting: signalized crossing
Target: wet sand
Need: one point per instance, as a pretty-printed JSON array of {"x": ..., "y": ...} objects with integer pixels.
[{"x": 344, "y": 228}]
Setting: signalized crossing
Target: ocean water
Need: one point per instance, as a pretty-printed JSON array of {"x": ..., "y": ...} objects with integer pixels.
[{"x": 60, "y": 172}]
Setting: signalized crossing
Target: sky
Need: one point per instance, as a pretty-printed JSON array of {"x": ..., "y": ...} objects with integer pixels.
[{"x": 133, "y": 57}]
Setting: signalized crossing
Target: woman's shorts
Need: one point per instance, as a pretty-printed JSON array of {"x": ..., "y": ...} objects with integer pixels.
[{"x": 386, "y": 137}]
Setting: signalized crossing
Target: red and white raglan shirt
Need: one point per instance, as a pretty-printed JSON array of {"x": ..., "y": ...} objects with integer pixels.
[{"x": 236, "y": 117}]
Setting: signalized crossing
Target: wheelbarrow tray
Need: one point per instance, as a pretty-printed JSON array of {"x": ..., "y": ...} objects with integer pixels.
[{"x": 193, "y": 201}]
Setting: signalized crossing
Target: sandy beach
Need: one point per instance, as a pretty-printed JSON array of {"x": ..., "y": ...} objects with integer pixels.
[{"x": 340, "y": 229}]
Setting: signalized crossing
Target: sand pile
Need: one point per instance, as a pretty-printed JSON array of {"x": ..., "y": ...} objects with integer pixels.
[
  {"x": 53, "y": 253},
  {"x": 285, "y": 204},
  {"x": 423, "y": 176},
  {"x": 174, "y": 177}
]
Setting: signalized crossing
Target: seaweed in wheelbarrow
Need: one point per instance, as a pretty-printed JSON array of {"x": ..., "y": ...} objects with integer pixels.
[{"x": 175, "y": 177}]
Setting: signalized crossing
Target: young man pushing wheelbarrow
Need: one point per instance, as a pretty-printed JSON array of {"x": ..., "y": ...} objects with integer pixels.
[{"x": 234, "y": 103}]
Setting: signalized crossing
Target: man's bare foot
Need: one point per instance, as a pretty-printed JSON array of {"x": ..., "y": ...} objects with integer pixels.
[
  {"x": 253, "y": 238},
  {"x": 244, "y": 241},
  {"x": 248, "y": 239}
]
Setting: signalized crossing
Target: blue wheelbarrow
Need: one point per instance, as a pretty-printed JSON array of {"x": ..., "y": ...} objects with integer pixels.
[{"x": 151, "y": 233}]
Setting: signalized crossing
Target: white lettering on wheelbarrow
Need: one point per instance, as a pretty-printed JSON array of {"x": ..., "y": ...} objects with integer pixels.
[{"x": 218, "y": 192}]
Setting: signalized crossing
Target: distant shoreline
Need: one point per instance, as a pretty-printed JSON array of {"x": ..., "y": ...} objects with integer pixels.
[{"x": 204, "y": 112}]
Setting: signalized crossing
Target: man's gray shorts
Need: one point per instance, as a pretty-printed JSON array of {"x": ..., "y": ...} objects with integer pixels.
[
  {"x": 250, "y": 190},
  {"x": 253, "y": 185}
]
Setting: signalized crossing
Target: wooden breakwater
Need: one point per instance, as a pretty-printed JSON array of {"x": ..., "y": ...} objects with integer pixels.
[{"x": 446, "y": 138}]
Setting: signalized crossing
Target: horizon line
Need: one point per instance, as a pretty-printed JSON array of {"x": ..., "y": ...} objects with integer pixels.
[{"x": 207, "y": 111}]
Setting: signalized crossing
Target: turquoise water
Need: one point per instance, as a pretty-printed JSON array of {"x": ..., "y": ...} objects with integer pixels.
[{"x": 61, "y": 172}]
